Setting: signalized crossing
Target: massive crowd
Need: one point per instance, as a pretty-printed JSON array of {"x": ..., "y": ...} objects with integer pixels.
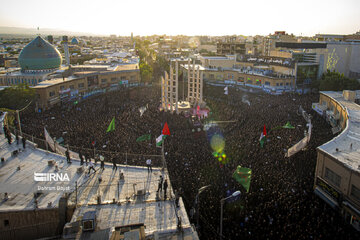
[{"x": 280, "y": 204}]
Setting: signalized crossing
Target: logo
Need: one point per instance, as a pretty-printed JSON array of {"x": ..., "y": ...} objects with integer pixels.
[{"x": 49, "y": 177}]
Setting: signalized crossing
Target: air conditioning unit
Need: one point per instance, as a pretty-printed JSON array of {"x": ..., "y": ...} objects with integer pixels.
[
  {"x": 80, "y": 169},
  {"x": 89, "y": 221}
]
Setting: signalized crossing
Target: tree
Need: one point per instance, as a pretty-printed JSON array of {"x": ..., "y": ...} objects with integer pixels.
[
  {"x": 16, "y": 97},
  {"x": 334, "y": 81},
  {"x": 145, "y": 71}
]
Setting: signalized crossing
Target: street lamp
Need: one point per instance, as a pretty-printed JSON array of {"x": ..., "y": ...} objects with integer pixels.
[
  {"x": 221, "y": 212},
  {"x": 197, "y": 203}
]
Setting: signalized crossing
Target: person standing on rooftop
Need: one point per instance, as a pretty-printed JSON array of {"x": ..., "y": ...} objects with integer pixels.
[{"x": 148, "y": 164}]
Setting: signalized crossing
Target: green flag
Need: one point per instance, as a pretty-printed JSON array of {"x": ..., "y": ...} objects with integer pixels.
[
  {"x": 288, "y": 125},
  {"x": 111, "y": 126},
  {"x": 143, "y": 138},
  {"x": 243, "y": 176}
]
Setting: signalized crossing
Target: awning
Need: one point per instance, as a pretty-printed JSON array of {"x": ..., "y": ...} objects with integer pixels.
[
  {"x": 349, "y": 205},
  {"x": 324, "y": 196}
]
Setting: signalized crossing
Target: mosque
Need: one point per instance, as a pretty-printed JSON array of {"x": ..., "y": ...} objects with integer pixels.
[{"x": 37, "y": 61}]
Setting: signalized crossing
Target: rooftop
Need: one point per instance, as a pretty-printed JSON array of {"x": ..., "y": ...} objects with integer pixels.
[
  {"x": 348, "y": 142},
  {"x": 54, "y": 81},
  {"x": 158, "y": 215}
]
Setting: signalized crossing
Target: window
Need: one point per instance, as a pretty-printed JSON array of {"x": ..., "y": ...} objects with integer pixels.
[
  {"x": 355, "y": 193},
  {"x": 104, "y": 80},
  {"x": 81, "y": 85},
  {"x": 71, "y": 86},
  {"x": 62, "y": 87},
  {"x": 123, "y": 78},
  {"x": 113, "y": 79},
  {"x": 51, "y": 93},
  {"x": 132, "y": 78},
  {"x": 287, "y": 84},
  {"x": 332, "y": 177},
  {"x": 6, "y": 223}
]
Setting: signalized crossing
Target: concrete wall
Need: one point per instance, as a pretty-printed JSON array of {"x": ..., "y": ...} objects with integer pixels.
[
  {"x": 343, "y": 58},
  {"x": 215, "y": 63},
  {"x": 336, "y": 107},
  {"x": 281, "y": 54},
  {"x": 29, "y": 224}
]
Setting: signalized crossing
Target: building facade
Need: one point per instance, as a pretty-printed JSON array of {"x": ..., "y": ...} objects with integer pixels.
[
  {"x": 337, "y": 174},
  {"x": 83, "y": 84},
  {"x": 230, "y": 48}
]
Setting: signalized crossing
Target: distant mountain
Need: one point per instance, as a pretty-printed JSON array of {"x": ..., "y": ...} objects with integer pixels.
[{"x": 41, "y": 31}]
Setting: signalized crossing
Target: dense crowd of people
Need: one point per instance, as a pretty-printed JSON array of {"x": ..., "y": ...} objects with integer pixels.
[{"x": 280, "y": 204}]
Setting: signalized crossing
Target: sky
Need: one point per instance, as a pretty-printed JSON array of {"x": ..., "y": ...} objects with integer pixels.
[{"x": 186, "y": 17}]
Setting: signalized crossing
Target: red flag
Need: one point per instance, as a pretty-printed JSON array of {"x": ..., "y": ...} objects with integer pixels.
[
  {"x": 166, "y": 130},
  {"x": 264, "y": 131}
]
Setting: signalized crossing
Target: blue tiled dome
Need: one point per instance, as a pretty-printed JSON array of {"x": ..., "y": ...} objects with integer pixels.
[
  {"x": 74, "y": 41},
  {"x": 39, "y": 55}
]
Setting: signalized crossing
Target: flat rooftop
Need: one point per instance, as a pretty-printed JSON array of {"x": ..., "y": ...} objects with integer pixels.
[
  {"x": 123, "y": 67},
  {"x": 347, "y": 142},
  {"x": 197, "y": 66},
  {"x": 54, "y": 81},
  {"x": 157, "y": 214}
]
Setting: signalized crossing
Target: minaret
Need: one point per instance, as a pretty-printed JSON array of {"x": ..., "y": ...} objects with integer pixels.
[{"x": 66, "y": 50}]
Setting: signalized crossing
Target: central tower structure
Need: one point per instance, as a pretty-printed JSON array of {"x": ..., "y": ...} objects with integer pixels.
[
  {"x": 195, "y": 84},
  {"x": 169, "y": 89}
]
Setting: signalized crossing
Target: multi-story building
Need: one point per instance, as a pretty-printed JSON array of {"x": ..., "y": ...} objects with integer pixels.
[
  {"x": 268, "y": 43},
  {"x": 337, "y": 174},
  {"x": 85, "y": 83},
  {"x": 247, "y": 76},
  {"x": 342, "y": 57},
  {"x": 230, "y": 48}
]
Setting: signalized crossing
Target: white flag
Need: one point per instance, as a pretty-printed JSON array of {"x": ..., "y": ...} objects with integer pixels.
[{"x": 159, "y": 140}]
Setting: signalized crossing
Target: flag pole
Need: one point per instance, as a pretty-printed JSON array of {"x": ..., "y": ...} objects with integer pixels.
[{"x": 163, "y": 154}]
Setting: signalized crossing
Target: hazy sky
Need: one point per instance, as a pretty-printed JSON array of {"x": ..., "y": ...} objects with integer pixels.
[{"x": 189, "y": 17}]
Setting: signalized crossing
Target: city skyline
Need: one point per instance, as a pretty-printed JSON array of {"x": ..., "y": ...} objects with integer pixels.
[{"x": 186, "y": 18}]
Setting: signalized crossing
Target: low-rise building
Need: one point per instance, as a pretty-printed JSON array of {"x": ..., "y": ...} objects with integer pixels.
[
  {"x": 337, "y": 174},
  {"x": 250, "y": 77},
  {"x": 84, "y": 83}
]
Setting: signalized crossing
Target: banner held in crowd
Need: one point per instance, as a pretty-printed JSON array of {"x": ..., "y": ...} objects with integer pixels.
[
  {"x": 111, "y": 126},
  {"x": 243, "y": 176},
  {"x": 143, "y": 138}
]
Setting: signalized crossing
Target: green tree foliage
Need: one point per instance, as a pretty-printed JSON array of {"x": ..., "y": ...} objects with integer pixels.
[
  {"x": 152, "y": 66},
  {"x": 160, "y": 66},
  {"x": 146, "y": 72},
  {"x": 334, "y": 81},
  {"x": 16, "y": 97}
]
